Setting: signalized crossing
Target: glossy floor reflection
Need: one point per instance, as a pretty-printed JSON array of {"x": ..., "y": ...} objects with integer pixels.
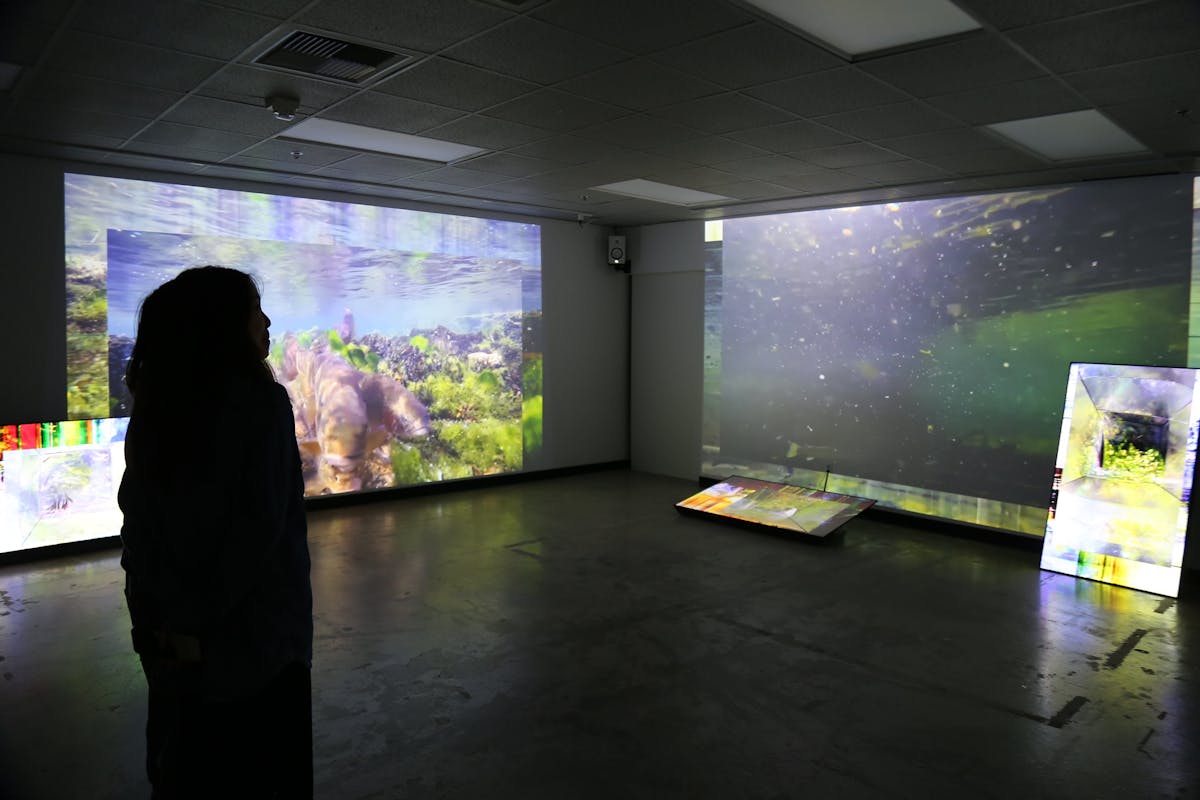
[{"x": 576, "y": 637}]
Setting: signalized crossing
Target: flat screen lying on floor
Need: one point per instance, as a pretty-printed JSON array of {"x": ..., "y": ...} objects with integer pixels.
[
  {"x": 1126, "y": 457},
  {"x": 797, "y": 509}
]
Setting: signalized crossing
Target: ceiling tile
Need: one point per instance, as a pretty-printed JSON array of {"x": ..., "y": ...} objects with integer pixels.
[
  {"x": 185, "y": 26},
  {"x": 792, "y": 136},
  {"x": 848, "y": 155},
  {"x": 569, "y": 149},
  {"x": 27, "y": 28},
  {"x": 1157, "y": 113},
  {"x": 1020, "y": 100},
  {"x": 198, "y": 150},
  {"x": 985, "y": 162},
  {"x": 1130, "y": 82},
  {"x": 555, "y": 110},
  {"x": 376, "y": 167},
  {"x": 827, "y": 92},
  {"x": 27, "y": 133},
  {"x": 967, "y": 64},
  {"x": 1020, "y": 13},
  {"x": 692, "y": 177},
  {"x": 448, "y": 83},
  {"x": 183, "y": 137},
  {"x": 707, "y": 150},
  {"x": 831, "y": 182},
  {"x": 459, "y": 177},
  {"x": 778, "y": 169},
  {"x": 640, "y": 84},
  {"x": 377, "y": 110},
  {"x": 638, "y": 130},
  {"x": 510, "y": 165},
  {"x": 660, "y": 24},
  {"x": 144, "y": 161},
  {"x": 124, "y": 62},
  {"x": 897, "y": 172},
  {"x": 897, "y": 119},
  {"x": 423, "y": 25},
  {"x": 723, "y": 113},
  {"x": 273, "y": 164},
  {"x": 280, "y": 9},
  {"x": 1137, "y": 31},
  {"x": 223, "y": 115},
  {"x": 245, "y": 84},
  {"x": 955, "y": 140},
  {"x": 494, "y": 134},
  {"x": 58, "y": 124},
  {"x": 311, "y": 155},
  {"x": 1172, "y": 140},
  {"x": 752, "y": 54},
  {"x": 751, "y": 190},
  {"x": 88, "y": 94},
  {"x": 535, "y": 51}
]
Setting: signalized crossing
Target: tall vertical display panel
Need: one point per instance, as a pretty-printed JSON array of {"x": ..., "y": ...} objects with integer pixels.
[{"x": 1123, "y": 476}]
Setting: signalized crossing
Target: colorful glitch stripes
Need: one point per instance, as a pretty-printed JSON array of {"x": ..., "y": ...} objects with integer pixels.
[{"x": 37, "y": 435}]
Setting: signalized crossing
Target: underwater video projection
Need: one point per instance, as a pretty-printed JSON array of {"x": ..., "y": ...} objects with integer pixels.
[
  {"x": 419, "y": 332},
  {"x": 794, "y": 509},
  {"x": 1123, "y": 476},
  {"x": 917, "y": 350}
]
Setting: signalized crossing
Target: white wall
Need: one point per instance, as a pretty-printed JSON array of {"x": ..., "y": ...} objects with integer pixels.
[
  {"x": 585, "y": 306},
  {"x": 667, "y": 359},
  {"x": 584, "y": 302}
]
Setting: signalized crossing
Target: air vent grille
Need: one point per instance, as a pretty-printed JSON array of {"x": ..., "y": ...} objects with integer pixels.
[{"x": 326, "y": 57}]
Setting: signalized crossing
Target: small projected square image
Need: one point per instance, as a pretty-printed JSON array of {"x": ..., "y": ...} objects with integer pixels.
[{"x": 1123, "y": 476}]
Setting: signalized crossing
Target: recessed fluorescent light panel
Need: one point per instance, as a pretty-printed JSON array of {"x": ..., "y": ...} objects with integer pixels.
[
  {"x": 360, "y": 137},
  {"x": 1071, "y": 136},
  {"x": 856, "y": 27},
  {"x": 661, "y": 192}
]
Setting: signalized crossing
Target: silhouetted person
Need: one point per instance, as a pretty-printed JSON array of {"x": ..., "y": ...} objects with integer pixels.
[{"x": 215, "y": 547}]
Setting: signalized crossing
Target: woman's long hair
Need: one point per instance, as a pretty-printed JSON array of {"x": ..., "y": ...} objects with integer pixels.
[{"x": 193, "y": 339}]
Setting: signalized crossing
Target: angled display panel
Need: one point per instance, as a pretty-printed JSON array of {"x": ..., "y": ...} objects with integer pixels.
[
  {"x": 796, "y": 509},
  {"x": 1123, "y": 477}
]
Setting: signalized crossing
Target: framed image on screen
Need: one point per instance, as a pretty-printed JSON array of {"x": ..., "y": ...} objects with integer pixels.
[
  {"x": 1126, "y": 455},
  {"x": 796, "y": 509}
]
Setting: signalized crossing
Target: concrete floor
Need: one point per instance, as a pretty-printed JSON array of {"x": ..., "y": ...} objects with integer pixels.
[{"x": 576, "y": 637}]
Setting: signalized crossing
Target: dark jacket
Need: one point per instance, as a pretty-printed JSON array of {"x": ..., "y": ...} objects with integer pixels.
[{"x": 215, "y": 541}]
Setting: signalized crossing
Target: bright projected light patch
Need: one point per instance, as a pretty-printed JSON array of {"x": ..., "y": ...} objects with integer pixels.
[
  {"x": 1123, "y": 476},
  {"x": 424, "y": 328}
]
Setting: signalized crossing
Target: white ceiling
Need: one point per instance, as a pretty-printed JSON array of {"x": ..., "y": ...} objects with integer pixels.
[{"x": 570, "y": 94}]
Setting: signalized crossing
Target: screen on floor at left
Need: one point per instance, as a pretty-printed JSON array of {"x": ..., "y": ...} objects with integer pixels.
[{"x": 438, "y": 314}]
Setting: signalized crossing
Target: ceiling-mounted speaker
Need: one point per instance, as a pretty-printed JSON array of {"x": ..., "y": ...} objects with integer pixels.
[{"x": 617, "y": 254}]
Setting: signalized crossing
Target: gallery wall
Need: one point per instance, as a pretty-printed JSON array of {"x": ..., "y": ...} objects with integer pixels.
[{"x": 666, "y": 362}]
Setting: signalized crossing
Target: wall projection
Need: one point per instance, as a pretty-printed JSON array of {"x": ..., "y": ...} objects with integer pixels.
[
  {"x": 429, "y": 324},
  {"x": 918, "y": 350}
]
